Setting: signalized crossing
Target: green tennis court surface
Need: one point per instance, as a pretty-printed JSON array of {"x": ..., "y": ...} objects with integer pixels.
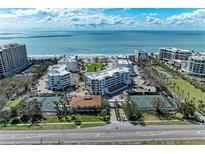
[{"x": 48, "y": 103}]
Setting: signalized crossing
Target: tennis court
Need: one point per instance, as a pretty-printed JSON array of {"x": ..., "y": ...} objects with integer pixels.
[
  {"x": 48, "y": 103},
  {"x": 165, "y": 74},
  {"x": 145, "y": 102}
]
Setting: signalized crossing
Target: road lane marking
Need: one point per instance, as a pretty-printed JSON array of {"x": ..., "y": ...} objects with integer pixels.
[{"x": 154, "y": 133}]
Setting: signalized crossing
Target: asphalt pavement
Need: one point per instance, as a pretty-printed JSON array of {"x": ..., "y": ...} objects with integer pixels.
[{"x": 109, "y": 133}]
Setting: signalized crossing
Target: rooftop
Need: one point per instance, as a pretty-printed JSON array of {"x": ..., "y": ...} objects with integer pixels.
[
  {"x": 11, "y": 45},
  {"x": 124, "y": 61},
  {"x": 140, "y": 51},
  {"x": 175, "y": 50},
  {"x": 86, "y": 101},
  {"x": 68, "y": 59},
  {"x": 107, "y": 73},
  {"x": 57, "y": 70},
  {"x": 198, "y": 57}
]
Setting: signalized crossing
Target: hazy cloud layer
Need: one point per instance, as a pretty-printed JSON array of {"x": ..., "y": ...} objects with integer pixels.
[{"x": 97, "y": 19}]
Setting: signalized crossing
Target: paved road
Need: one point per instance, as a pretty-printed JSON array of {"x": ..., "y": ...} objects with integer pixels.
[{"x": 108, "y": 133}]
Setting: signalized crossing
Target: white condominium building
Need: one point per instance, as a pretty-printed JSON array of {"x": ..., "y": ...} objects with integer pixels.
[
  {"x": 71, "y": 63},
  {"x": 174, "y": 53},
  {"x": 59, "y": 78},
  {"x": 196, "y": 65},
  {"x": 108, "y": 81},
  {"x": 141, "y": 55},
  {"x": 125, "y": 63},
  {"x": 13, "y": 59}
]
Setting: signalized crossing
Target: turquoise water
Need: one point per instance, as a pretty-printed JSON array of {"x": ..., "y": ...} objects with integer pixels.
[{"x": 104, "y": 42}]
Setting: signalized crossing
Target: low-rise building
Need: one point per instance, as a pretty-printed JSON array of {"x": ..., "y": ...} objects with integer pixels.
[
  {"x": 174, "y": 53},
  {"x": 141, "y": 55},
  {"x": 13, "y": 59},
  {"x": 59, "y": 78},
  {"x": 196, "y": 65},
  {"x": 86, "y": 102},
  {"x": 108, "y": 81},
  {"x": 71, "y": 62}
]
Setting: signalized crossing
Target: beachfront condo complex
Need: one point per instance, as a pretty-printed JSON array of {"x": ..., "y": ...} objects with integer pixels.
[
  {"x": 13, "y": 59},
  {"x": 108, "y": 81}
]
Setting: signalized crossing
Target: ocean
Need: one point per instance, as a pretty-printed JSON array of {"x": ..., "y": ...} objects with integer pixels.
[{"x": 103, "y": 42}]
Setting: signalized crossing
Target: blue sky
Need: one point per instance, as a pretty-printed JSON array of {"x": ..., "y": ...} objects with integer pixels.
[{"x": 102, "y": 19}]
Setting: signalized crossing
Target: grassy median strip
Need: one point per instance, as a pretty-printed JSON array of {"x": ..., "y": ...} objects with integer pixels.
[
  {"x": 49, "y": 126},
  {"x": 168, "y": 123},
  {"x": 41, "y": 127}
]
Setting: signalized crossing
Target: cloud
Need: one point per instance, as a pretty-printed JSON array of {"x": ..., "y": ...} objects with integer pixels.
[
  {"x": 195, "y": 18},
  {"x": 152, "y": 19},
  {"x": 67, "y": 18},
  {"x": 81, "y": 18}
]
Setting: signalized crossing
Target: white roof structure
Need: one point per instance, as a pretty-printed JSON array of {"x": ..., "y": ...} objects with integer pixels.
[
  {"x": 124, "y": 61},
  {"x": 198, "y": 57},
  {"x": 107, "y": 73},
  {"x": 57, "y": 70},
  {"x": 68, "y": 59},
  {"x": 175, "y": 50},
  {"x": 11, "y": 45}
]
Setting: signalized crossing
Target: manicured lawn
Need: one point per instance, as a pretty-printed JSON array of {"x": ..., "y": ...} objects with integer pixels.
[
  {"x": 91, "y": 125},
  {"x": 15, "y": 102},
  {"x": 169, "y": 123},
  {"x": 149, "y": 117},
  {"x": 93, "y": 67},
  {"x": 78, "y": 118},
  {"x": 189, "y": 91},
  {"x": 188, "y": 88},
  {"x": 41, "y": 127},
  {"x": 49, "y": 127},
  {"x": 154, "y": 120}
]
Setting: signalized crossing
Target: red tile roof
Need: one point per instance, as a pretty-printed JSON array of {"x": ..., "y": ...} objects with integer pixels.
[{"x": 85, "y": 101}]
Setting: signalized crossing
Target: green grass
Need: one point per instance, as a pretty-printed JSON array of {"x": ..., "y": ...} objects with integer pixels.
[
  {"x": 41, "y": 127},
  {"x": 85, "y": 118},
  {"x": 49, "y": 127},
  {"x": 152, "y": 117},
  {"x": 188, "y": 88},
  {"x": 93, "y": 67},
  {"x": 169, "y": 123},
  {"x": 14, "y": 103},
  {"x": 149, "y": 117},
  {"x": 91, "y": 125}
]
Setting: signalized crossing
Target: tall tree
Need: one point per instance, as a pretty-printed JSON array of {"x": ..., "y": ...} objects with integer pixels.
[{"x": 158, "y": 105}]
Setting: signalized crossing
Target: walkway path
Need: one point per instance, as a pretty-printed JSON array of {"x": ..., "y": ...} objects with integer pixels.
[{"x": 113, "y": 116}]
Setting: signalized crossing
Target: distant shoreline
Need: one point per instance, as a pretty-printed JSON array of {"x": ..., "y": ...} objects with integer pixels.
[{"x": 79, "y": 55}]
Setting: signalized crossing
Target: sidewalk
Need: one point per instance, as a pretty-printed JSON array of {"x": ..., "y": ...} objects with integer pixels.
[{"x": 113, "y": 116}]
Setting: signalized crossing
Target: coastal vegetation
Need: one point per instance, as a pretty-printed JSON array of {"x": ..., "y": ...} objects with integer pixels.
[
  {"x": 188, "y": 97},
  {"x": 14, "y": 103},
  {"x": 94, "y": 67},
  {"x": 133, "y": 112},
  {"x": 13, "y": 87},
  {"x": 185, "y": 88}
]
